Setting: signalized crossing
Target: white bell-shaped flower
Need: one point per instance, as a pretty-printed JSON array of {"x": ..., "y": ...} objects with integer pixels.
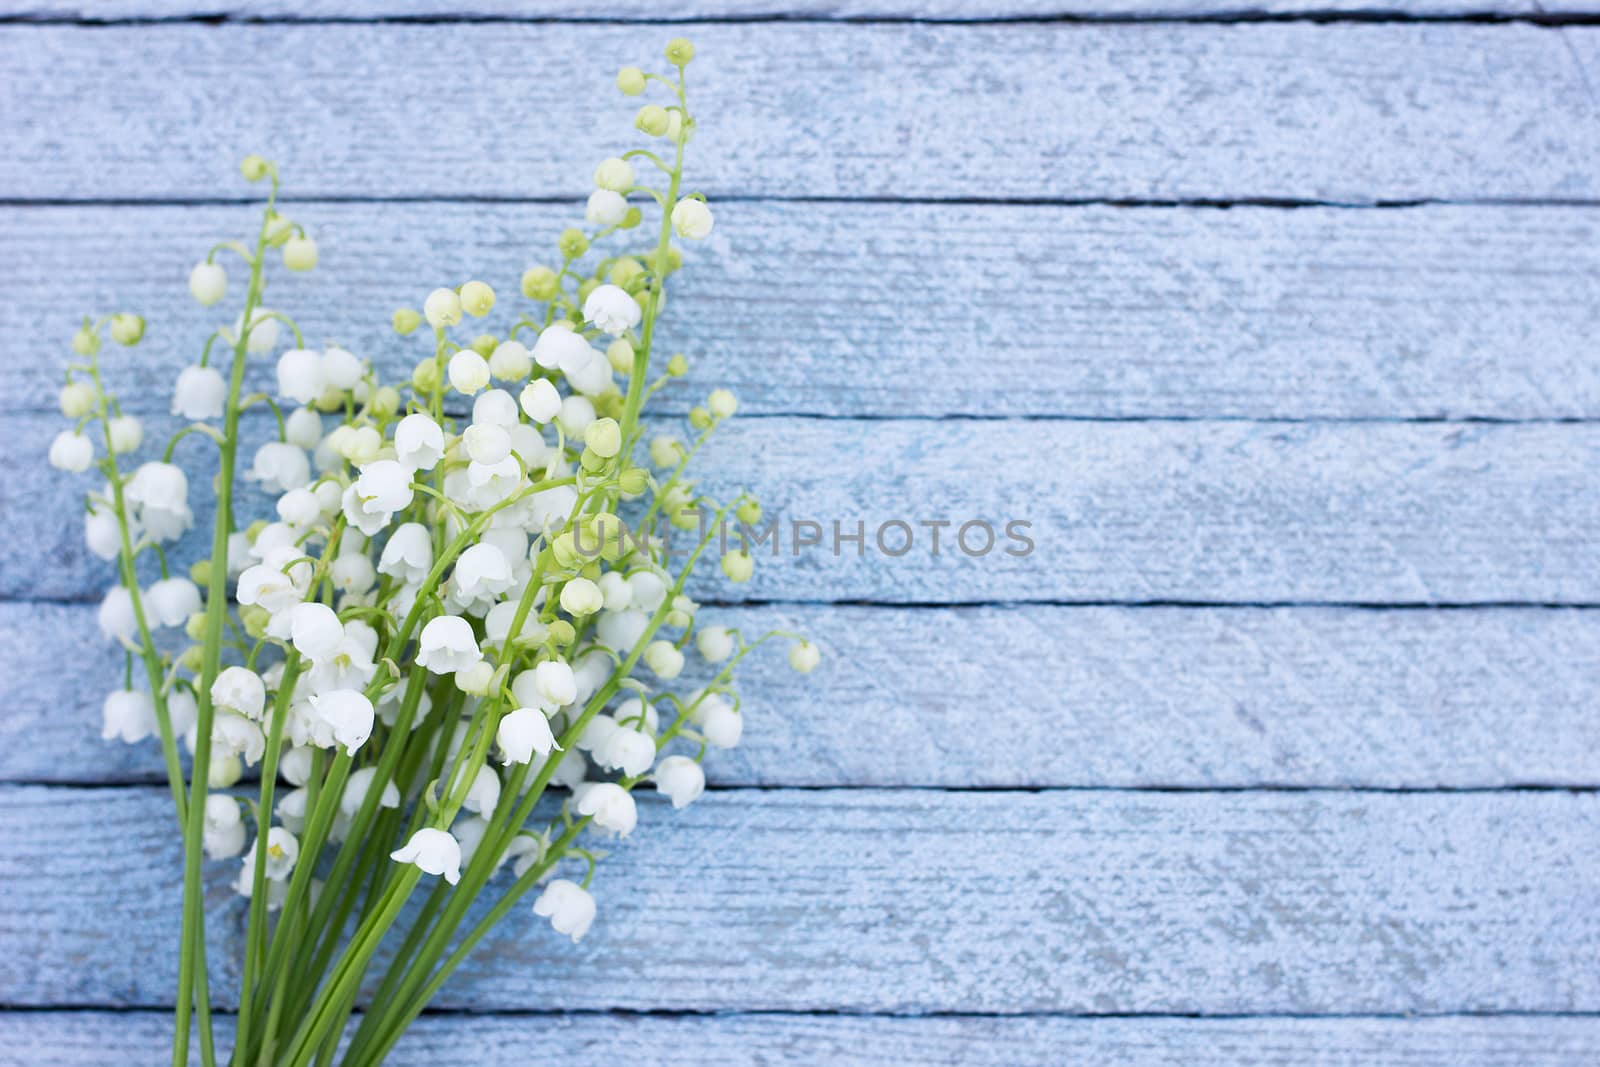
[
  {"x": 540, "y": 400},
  {"x": 408, "y": 555},
  {"x": 484, "y": 793},
  {"x": 447, "y": 645},
  {"x": 172, "y": 600},
  {"x": 611, "y": 308},
  {"x": 128, "y": 714},
  {"x": 681, "y": 779},
  {"x": 224, "y": 833},
  {"x": 201, "y": 393},
  {"x": 358, "y": 785},
  {"x": 624, "y": 749},
  {"x": 605, "y": 208},
  {"x": 610, "y": 805},
  {"x": 115, "y": 615},
  {"x": 434, "y": 851},
  {"x": 692, "y": 219},
  {"x": 300, "y": 375},
  {"x": 468, "y": 371},
  {"x": 340, "y": 369},
  {"x": 234, "y": 735},
  {"x": 240, "y": 690},
  {"x": 208, "y": 283},
  {"x": 560, "y": 343},
  {"x": 71, "y": 451},
  {"x": 568, "y": 906},
  {"x": 347, "y": 715},
  {"x": 159, "y": 493},
  {"x": 103, "y": 534},
  {"x": 523, "y": 733},
  {"x": 715, "y": 643},
  {"x": 720, "y": 723},
  {"x": 418, "y": 442},
  {"x": 280, "y": 466},
  {"x": 315, "y": 630}
]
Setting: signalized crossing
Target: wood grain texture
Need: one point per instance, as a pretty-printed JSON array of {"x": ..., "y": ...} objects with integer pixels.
[
  {"x": 1209, "y": 512},
  {"x": 1096, "y": 697},
  {"x": 79, "y": 1039},
  {"x": 656, "y": 10},
  {"x": 1014, "y": 310},
  {"x": 912, "y": 901},
  {"x": 1347, "y": 113}
]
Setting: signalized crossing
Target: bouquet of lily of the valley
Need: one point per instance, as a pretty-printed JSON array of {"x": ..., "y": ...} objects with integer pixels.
[{"x": 469, "y": 594}]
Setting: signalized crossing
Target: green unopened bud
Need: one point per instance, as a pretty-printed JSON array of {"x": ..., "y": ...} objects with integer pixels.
[
  {"x": 255, "y": 618},
  {"x": 625, "y": 272},
  {"x": 253, "y": 167},
  {"x": 630, "y": 219},
  {"x": 77, "y": 400},
  {"x": 476, "y": 679},
  {"x": 253, "y": 531},
  {"x": 699, "y": 418},
  {"x": 589, "y": 285},
  {"x": 477, "y": 299},
  {"x": 619, "y": 354},
  {"x": 633, "y": 481},
  {"x": 610, "y": 404},
  {"x": 425, "y": 376},
  {"x": 191, "y": 658},
  {"x": 127, "y": 329},
  {"x": 406, "y": 320},
  {"x": 679, "y": 52},
  {"x": 653, "y": 120},
  {"x": 677, "y": 366},
  {"x": 738, "y": 566},
  {"x": 300, "y": 253},
  {"x": 561, "y": 633},
  {"x": 665, "y": 451},
  {"x": 279, "y": 229},
  {"x": 200, "y": 573},
  {"x": 572, "y": 243},
  {"x": 565, "y": 551},
  {"x": 592, "y": 461},
  {"x": 604, "y": 436},
  {"x": 722, "y": 403},
  {"x": 674, "y": 258},
  {"x": 384, "y": 402},
  {"x": 539, "y": 283},
  {"x": 332, "y": 399},
  {"x": 631, "y": 81},
  {"x": 85, "y": 342},
  {"x": 194, "y": 627},
  {"x": 484, "y": 344},
  {"x": 749, "y": 512}
]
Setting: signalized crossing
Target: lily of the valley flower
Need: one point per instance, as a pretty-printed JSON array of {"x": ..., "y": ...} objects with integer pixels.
[
  {"x": 611, "y": 806},
  {"x": 434, "y": 852},
  {"x": 568, "y": 906},
  {"x": 447, "y": 645},
  {"x": 681, "y": 779},
  {"x": 524, "y": 732}
]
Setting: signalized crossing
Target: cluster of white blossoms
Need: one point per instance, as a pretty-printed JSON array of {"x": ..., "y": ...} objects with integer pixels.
[{"x": 463, "y": 598}]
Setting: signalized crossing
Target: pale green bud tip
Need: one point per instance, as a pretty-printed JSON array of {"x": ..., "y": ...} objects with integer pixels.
[
  {"x": 679, "y": 52},
  {"x": 561, "y": 632},
  {"x": 200, "y": 573},
  {"x": 477, "y": 299},
  {"x": 476, "y": 679},
  {"x": 253, "y": 167},
  {"x": 406, "y": 320},
  {"x": 738, "y": 566},
  {"x": 631, "y": 81},
  {"x": 442, "y": 308},
  {"x": 539, "y": 283},
  {"x": 581, "y": 597},
  {"x": 300, "y": 253},
  {"x": 804, "y": 657},
  {"x": 699, "y": 418},
  {"x": 385, "y": 402},
  {"x": 85, "y": 342},
  {"x": 633, "y": 481},
  {"x": 619, "y": 354},
  {"x": 653, "y": 120},
  {"x": 224, "y": 772},
  {"x": 484, "y": 344},
  {"x": 722, "y": 403},
  {"x": 604, "y": 436},
  {"x": 678, "y": 366},
  {"x": 127, "y": 329},
  {"x": 425, "y": 376},
  {"x": 749, "y": 512},
  {"x": 632, "y": 218}
]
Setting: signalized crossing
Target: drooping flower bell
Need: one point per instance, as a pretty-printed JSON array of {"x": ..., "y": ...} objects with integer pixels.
[
  {"x": 434, "y": 852},
  {"x": 568, "y": 906}
]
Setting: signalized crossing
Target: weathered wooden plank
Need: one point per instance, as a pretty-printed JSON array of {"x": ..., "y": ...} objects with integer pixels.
[
  {"x": 1104, "y": 312},
  {"x": 655, "y": 10},
  {"x": 1162, "y": 697},
  {"x": 1348, "y": 113},
  {"x": 1210, "y": 512},
  {"x": 78, "y": 1039},
  {"x": 912, "y": 901}
]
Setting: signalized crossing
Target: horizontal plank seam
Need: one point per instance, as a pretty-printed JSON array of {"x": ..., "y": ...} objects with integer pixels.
[
  {"x": 89, "y": 1007},
  {"x": 1132, "y": 203},
  {"x": 153, "y": 783},
  {"x": 1243, "y": 16}
]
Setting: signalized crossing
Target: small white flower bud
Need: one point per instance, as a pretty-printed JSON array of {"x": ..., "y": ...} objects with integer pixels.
[
  {"x": 300, "y": 375},
  {"x": 721, "y": 725},
  {"x": 722, "y": 403},
  {"x": 664, "y": 659},
  {"x": 442, "y": 308},
  {"x": 614, "y": 174},
  {"x": 77, "y": 400},
  {"x": 240, "y": 690},
  {"x": 576, "y": 413},
  {"x": 605, "y": 208},
  {"x": 612, "y": 309},
  {"x": 804, "y": 657},
  {"x": 580, "y": 597},
  {"x": 71, "y": 451},
  {"x": 510, "y": 361},
  {"x": 540, "y": 400},
  {"x": 340, "y": 369},
  {"x": 208, "y": 283},
  {"x": 299, "y": 253},
  {"x": 691, "y": 219},
  {"x": 681, "y": 779},
  {"x": 487, "y": 444},
  {"x": 477, "y": 299},
  {"x": 610, "y": 805},
  {"x": 418, "y": 442},
  {"x": 172, "y": 601},
  {"x": 568, "y": 906},
  {"x": 715, "y": 643},
  {"x": 468, "y": 372},
  {"x": 201, "y": 393},
  {"x": 128, "y": 714},
  {"x": 127, "y": 433}
]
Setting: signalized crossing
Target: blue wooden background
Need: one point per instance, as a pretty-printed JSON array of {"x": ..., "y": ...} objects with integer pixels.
[{"x": 1279, "y": 321}]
